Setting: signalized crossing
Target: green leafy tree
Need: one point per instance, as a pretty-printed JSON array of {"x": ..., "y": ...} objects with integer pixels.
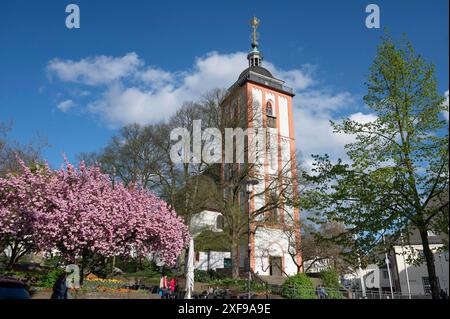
[
  {"x": 330, "y": 279},
  {"x": 398, "y": 163}
]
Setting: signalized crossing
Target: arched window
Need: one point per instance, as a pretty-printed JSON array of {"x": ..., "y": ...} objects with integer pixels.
[
  {"x": 219, "y": 222},
  {"x": 269, "y": 109},
  {"x": 270, "y": 114}
]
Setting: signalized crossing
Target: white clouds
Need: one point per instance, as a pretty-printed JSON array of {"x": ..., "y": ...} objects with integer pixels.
[
  {"x": 94, "y": 70},
  {"x": 66, "y": 105},
  {"x": 298, "y": 79},
  {"x": 363, "y": 118},
  {"x": 445, "y": 113},
  {"x": 154, "y": 76},
  {"x": 320, "y": 101},
  {"x": 121, "y": 105},
  {"x": 129, "y": 91}
]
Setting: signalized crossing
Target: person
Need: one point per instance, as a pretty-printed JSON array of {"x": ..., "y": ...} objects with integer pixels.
[
  {"x": 60, "y": 289},
  {"x": 318, "y": 291},
  {"x": 172, "y": 285},
  {"x": 163, "y": 287},
  {"x": 323, "y": 293},
  {"x": 443, "y": 294}
]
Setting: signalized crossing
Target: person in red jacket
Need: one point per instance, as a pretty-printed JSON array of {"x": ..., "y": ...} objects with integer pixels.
[{"x": 172, "y": 286}]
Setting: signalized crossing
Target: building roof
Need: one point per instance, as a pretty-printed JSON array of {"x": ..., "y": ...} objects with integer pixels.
[
  {"x": 260, "y": 75},
  {"x": 256, "y": 69}
]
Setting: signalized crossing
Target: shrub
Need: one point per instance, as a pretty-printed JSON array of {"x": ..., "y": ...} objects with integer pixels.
[
  {"x": 49, "y": 279},
  {"x": 201, "y": 275},
  {"x": 207, "y": 275},
  {"x": 299, "y": 286},
  {"x": 37, "y": 279},
  {"x": 330, "y": 279}
]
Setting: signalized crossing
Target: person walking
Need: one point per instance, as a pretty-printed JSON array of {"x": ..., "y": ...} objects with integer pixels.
[
  {"x": 163, "y": 284},
  {"x": 60, "y": 289},
  {"x": 172, "y": 285},
  {"x": 323, "y": 293}
]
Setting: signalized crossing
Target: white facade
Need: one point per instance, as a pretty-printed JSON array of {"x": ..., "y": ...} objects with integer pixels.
[
  {"x": 418, "y": 274},
  {"x": 205, "y": 220},
  {"x": 272, "y": 243},
  {"x": 208, "y": 220},
  {"x": 211, "y": 260}
]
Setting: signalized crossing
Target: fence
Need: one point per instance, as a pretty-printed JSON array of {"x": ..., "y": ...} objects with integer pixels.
[{"x": 334, "y": 293}]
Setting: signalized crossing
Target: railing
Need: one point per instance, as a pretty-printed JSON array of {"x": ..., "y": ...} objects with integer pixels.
[
  {"x": 259, "y": 280},
  {"x": 269, "y": 82},
  {"x": 334, "y": 293}
]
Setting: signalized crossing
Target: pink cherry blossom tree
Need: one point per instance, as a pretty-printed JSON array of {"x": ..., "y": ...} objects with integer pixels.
[
  {"x": 80, "y": 215},
  {"x": 20, "y": 197}
]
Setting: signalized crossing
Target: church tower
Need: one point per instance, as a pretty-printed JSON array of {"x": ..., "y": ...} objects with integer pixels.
[{"x": 261, "y": 101}]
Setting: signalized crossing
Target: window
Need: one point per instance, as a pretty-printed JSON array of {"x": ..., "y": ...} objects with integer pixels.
[
  {"x": 219, "y": 222},
  {"x": 427, "y": 286},
  {"x": 274, "y": 216},
  {"x": 446, "y": 256},
  {"x": 385, "y": 274},
  {"x": 271, "y": 119},
  {"x": 197, "y": 256},
  {"x": 420, "y": 254},
  {"x": 269, "y": 109},
  {"x": 227, "y": 263},
  {"x": 431, "y": 233}
]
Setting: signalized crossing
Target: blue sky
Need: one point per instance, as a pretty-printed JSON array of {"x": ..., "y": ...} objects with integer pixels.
[{"x": 139, "y": 60}]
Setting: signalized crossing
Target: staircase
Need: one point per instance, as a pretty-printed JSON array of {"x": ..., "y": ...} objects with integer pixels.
[
  {"x": 273, "y": 284},
  {"x": 273, "y": 280}
]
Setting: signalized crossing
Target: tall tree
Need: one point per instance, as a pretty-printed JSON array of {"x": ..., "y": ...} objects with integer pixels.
[
  {"x": 11, "y": 150},
  {"x": 398, "y": 163}
]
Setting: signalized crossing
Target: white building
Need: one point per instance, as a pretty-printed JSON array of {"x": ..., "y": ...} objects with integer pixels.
[
  {"x": 403, "y": 272},
  {"x": 418, "y": 274},
  {"x": 206, "y": 260}
]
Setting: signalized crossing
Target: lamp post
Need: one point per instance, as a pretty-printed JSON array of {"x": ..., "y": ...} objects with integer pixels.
[
  {"x": 249, "y": 188},
  {"x": 443, "y": 273}
]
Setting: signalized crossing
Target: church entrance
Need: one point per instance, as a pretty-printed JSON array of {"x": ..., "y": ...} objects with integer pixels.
[{"x": 275, "y": 266}]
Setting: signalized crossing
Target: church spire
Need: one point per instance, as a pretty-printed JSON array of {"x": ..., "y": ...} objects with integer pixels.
[{"x": 254, "y": 57}]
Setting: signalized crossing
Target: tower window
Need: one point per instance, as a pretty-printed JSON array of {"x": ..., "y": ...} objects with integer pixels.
[
  {"x": 269, "y": 109},
  {"x": 271, "y": 119}
]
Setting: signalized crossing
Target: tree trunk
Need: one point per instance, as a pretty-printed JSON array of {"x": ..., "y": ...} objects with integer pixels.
[
  {"x": 16, "y": 254},
  {"x": 82, "y": 270},
  {"x": 12, "y": 258},
  {"x": 235, "y": 259},
  {"x": 429, "y": 257}
]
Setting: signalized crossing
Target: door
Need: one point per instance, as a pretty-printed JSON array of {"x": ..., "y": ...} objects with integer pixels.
[{"x": 275, "y": 266}]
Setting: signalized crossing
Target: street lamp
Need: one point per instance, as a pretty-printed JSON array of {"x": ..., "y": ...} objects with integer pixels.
[{"x": 250, "y": 182}]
